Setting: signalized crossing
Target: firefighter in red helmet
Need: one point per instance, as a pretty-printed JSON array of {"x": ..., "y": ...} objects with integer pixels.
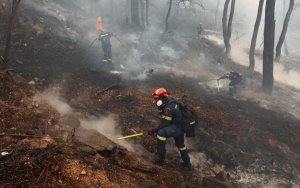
[
  {"x": 171, "y": 118},
  {"x": 104, "y": 37},
  {"x": 235, "y": 79}
]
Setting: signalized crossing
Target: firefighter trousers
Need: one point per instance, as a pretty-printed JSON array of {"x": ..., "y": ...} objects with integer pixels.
[
  {"x": 107, "y": 52},
  {"x": 178, "y": 135}
]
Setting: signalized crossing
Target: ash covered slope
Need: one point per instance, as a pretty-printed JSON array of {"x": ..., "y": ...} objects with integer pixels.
[
  {"x": 38, "y": 150},
  {"x": 43, "y": 57},
  {"x": 43, "y": 146}
]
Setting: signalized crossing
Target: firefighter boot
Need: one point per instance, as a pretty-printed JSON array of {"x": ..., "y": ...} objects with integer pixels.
[
  {"x": 161, "y": 152},
  {"x": 186, "y": 166}
]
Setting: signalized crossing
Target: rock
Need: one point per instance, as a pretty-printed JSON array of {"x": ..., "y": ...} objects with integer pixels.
[
  {"x": 94, "y": 139},
  {"x": 87, "y": 149},
  {"x": 83, "y": 172},
  {"x": 19, "y": 62},
  {"x": 31, "y": 82},
  {"x": 38, "y": 143},
  {"x": 4, "y": 153},
  {"x": 35, "y": 104}
]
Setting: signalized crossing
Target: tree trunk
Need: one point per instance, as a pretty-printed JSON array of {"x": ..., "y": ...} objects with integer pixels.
[
  {"x": 285, "y": 44},
  {"x": 2, "y": 7},
  {"x": 167, "y": 17},
  {"x": 284, "y": 30},
  {"x": 142, "y": 13},
  {"x": 14, "y": 8},
  {"x": 286, "y": 50},
  {"x": 254, "y": 36},
  {"x": 135, "y": 19},
  {"x": 268, "y": 55},
  {"x": 229, "y": 29},
  {"x": 216, "y": 15},
  {"x": 224, "y": 23},
  {"x": 128, "y": 13},
  {"x": 147, "y": 12}
]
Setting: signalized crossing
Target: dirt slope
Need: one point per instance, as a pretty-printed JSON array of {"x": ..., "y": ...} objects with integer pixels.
[{"x": 35, "y": 151}]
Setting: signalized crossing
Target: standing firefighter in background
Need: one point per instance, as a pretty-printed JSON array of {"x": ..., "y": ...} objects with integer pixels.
[
  {"x": 170, "y": 126},
  {"x": 106, "y": 45},
  {"x": 199, "y": 29},
  {"x": 104, "y": 37},
  {"x": 235, "y": 78}
]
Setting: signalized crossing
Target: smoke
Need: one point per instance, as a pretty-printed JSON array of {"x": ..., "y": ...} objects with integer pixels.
[
  {"x": 280, "y": 12},
  {"x": 132, "y": 66},
  {"x": 52, "y": 97},
  {"x": 136, "y": 53},
  {"x": 239, "y": 54},
  {"x": 106, "y": 125},
  {"x": 281, "y": 74},
  {"x": 200, "y": 161},
  {"x": 169, "y": 52},
  {"x": 78, "y": 18}
]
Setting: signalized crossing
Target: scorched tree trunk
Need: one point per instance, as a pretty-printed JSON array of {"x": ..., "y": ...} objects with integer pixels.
[
  {"x": 14, "y": 8},
  {"x": 268, "y": 55},
  {"x": 168, "y": 15},
  {"x": 284, "y": 30},
  {"x": 254, "y": 36}
]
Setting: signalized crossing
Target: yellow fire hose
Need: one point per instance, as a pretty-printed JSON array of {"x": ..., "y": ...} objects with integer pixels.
[{"x": 130, "y": 136}]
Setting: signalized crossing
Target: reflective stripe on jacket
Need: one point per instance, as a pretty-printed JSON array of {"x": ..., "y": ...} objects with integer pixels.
[{"x": 170, "y": 115}]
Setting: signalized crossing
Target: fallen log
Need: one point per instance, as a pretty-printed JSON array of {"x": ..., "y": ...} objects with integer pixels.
[{"x": 26, "y": 135}]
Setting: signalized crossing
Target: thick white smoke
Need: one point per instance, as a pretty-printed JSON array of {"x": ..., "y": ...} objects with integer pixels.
[
  {"x": 53, "y": 98},
  {"x": 106, "y": 125}
]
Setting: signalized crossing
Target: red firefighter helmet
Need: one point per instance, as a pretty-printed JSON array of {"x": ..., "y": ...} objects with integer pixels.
[
  {"x": 157, "y": 93},
  {"x": 99, "y": 24},
  {"x": 226, "y": 73}
]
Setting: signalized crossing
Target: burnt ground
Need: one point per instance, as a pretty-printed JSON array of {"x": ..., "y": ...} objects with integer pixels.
[{"x": 258, "y": 146}]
